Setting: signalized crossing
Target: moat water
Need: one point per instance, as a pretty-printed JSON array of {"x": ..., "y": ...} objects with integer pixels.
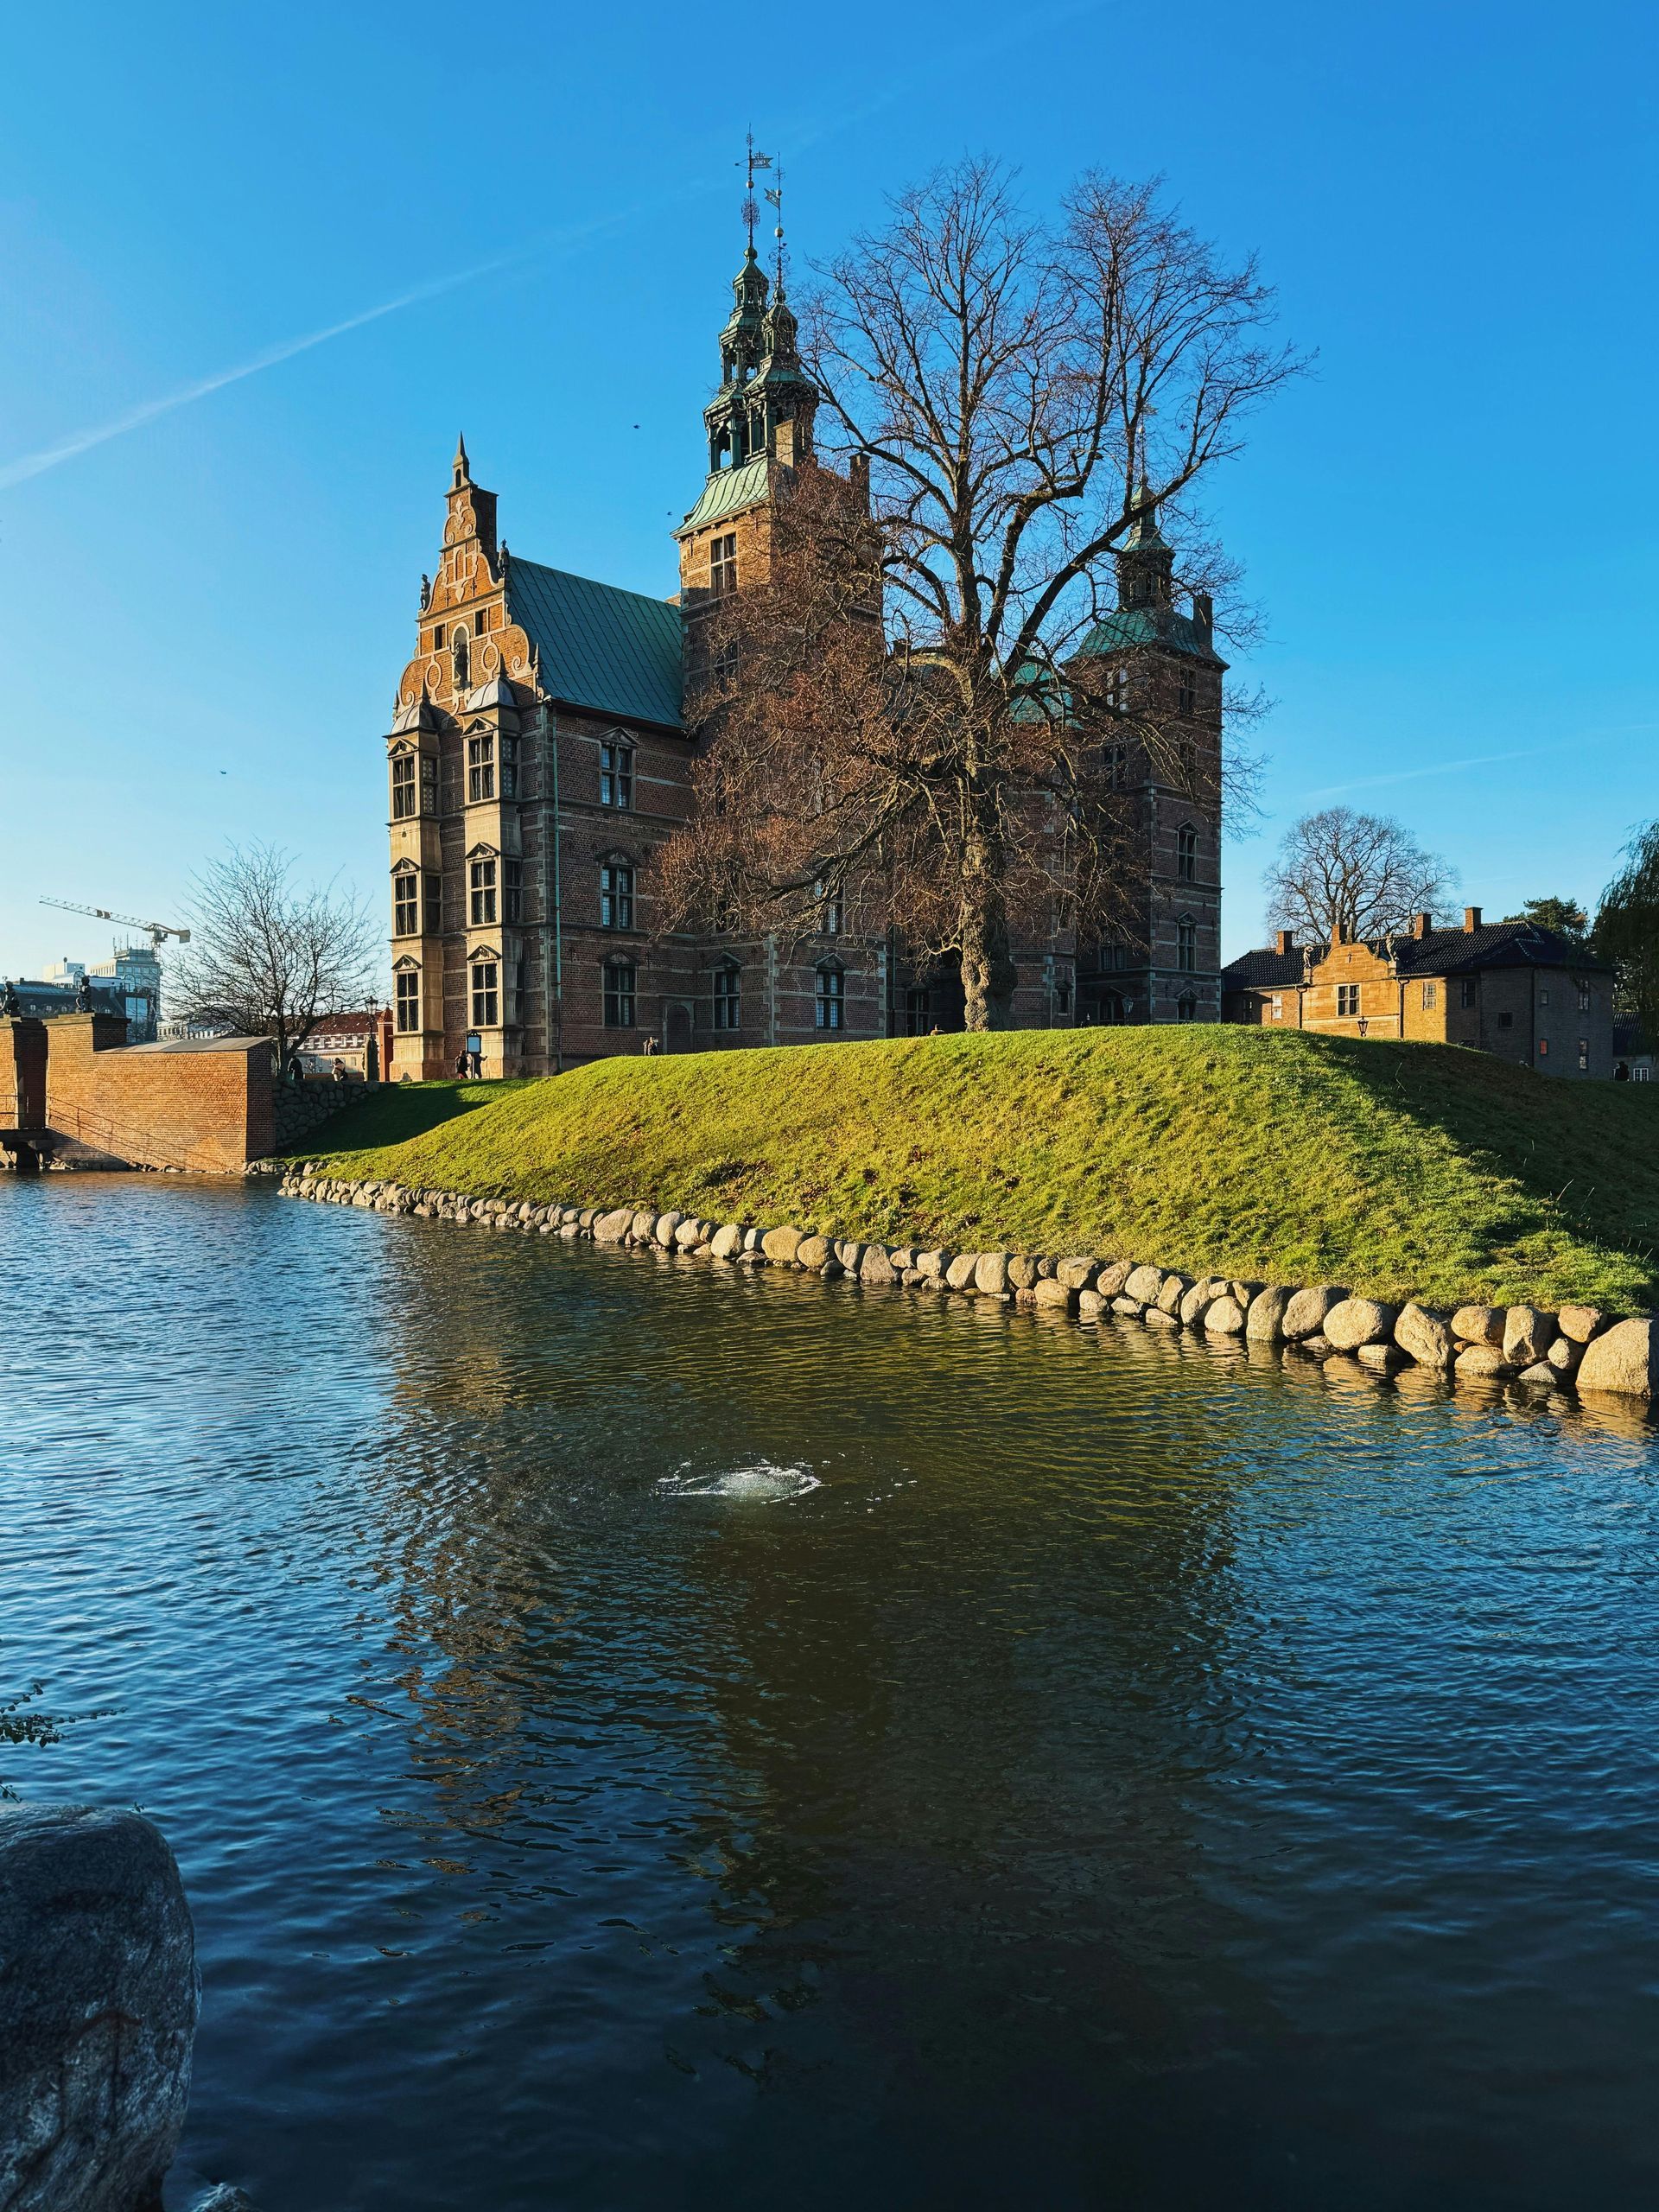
[{"x": 640, "y": 1734}]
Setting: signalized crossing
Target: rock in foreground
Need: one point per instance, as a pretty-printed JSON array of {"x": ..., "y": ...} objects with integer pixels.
[{"x": 99, "y": 1995}]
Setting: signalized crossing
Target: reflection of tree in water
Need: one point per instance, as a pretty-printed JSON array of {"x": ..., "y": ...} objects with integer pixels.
[{"x": 934, "y": 1744}]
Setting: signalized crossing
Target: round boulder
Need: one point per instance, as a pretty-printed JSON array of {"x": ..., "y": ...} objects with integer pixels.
[
  {"x": 1306, "y": 1311},
  {"x": 1625, "y": 1359},
  {"x": 1423, "y": 1337},
  {"x": 1224, "y": 1317},
  {"x": 1359, "y": 1321}
]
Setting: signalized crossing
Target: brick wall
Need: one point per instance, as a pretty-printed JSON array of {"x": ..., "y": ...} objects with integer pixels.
[
  {"x": 205, "y": 1106},
  {"x": 23, "y": 1074}
]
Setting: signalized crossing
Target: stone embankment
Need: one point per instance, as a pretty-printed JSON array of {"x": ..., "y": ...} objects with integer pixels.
[{"x": 1577, "y": 1350}]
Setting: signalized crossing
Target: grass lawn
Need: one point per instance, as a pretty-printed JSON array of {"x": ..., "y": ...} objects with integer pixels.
[{"x": 1399, "y": 1169}]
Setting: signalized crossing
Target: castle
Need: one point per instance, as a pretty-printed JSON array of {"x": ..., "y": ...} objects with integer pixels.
[{"x": 539, "y": 753}]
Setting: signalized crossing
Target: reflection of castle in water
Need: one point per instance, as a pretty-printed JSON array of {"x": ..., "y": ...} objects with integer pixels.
[{"x": 833, "y": 1739}]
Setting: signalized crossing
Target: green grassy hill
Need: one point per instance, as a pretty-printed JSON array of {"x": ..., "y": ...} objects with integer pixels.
[{"x": 1398, "y": 1169}]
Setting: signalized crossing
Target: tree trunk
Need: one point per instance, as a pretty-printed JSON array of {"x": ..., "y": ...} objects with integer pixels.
[{"x": 989, "y": 974}]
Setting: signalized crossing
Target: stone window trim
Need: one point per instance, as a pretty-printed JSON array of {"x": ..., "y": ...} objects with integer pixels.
[
  {"x": 481, "y": 768},
  {"x": 1347, "y": 1002},
  {"x": 1186, "y": 852},
  {"x": 1186, "y": 945},
  {"x": 1186, "y": 1006},
  {"x": 616, "y": 765},
  {"x": 484, "y": 982},
  {"x": 616, "y": 891},
  {"x": 1430, "y": 998},
  {"x": 620, "y": 981},
  {"x": 405, "y": 793},
  {"x": 406, "y": 988},
  {"x": 726, "y": 993},
  {"x": 830, "y": 996},
  {"x": 483, "y": 888},
  {"x": 723, "y": 564},
  {"x": 406, "y": 900}
]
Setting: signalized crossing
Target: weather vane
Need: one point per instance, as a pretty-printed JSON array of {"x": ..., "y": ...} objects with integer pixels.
[
  {"x": 775, "y": 200},
  {"x": 756, "y": 160}
]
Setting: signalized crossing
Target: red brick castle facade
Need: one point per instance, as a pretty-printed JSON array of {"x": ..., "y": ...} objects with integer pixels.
[{"x": 539, "y": 754}]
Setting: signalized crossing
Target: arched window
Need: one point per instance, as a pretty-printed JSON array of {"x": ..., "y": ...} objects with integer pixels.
[
  {"x": 616, "y": 895},
  {"x": 728, "y": 996},
  {"x": 831, "y": 996},
  {"x": 616, "y": 773},
  {"x": 1186, "y": 1007},
  {"x": 620, "y": 979},
  {"x": 459, "y": 653},
  {"x": 1186, "y": 944},
  {"x": 1186, "y": 852},
  {"x": 486, "y": 994}
]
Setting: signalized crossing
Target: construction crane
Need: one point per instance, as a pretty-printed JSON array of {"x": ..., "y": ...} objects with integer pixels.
[{"x": 159, "y": 931}]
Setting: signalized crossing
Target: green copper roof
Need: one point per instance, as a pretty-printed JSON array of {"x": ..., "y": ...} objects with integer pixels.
[
  {"x": 1150, "y": 626},
  {"x": 728, "y": 490},
  {"x": 615, "y": 652}
]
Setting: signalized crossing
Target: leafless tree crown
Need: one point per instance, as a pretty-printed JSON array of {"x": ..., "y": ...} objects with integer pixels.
[
  {"x": 1363, "y": 875},
  {"x": 897, "y": 709},
  {"x": 272, "y": 955}
]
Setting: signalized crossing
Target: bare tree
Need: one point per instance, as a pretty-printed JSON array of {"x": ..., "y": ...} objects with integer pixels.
[
  {"x": 273, "y": 956},
  {"x": 1362, "y": 874},
  {"x": 899, "y": 711},
  {"x": 1627, "y": 930}
]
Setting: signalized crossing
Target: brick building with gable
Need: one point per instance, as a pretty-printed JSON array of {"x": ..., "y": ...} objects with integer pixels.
[
  {"x": 540, "y": 753},
  {"x": 1524, "y": 993}
]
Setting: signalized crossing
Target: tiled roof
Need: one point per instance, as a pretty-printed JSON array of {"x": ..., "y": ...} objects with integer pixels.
[
  {"x": 1127, "y": 626},
  {"x": 615, "y": 652},
  {"x": 1495, "y": 945},
  {"x": 1262, "y": 970},
  {"x": 1442, "y": 952},
  {"x": 728, "y": 490}
]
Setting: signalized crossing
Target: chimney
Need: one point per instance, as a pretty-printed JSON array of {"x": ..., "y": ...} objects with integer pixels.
[
  {"x": 1284, "y": 941},
  {"x": 1420, "y": 926},
  {"x": 1471, "y": 919},
  {"x": 1204, "y": 615},
  {"x": 858, "y": 474}
]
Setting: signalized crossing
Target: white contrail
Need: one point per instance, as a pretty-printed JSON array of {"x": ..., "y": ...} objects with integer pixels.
[
  {"x": 35, "y": 464},
  {"x": 1440, "y": 768}
]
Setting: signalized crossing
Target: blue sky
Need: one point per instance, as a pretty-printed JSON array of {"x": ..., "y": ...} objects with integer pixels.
[{"x": 1449, "y": 526}]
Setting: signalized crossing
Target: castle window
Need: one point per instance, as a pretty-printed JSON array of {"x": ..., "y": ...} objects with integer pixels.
[
  {"x": 729, "y": 1002},
  {"x": 480, "y": 769},
  {"x": 1063, "y": 995},
  {"x": 828, "y": 910},
  {"x": 1115, "y": 760},
  {"x": 1347, "y": 1002},
  {"x": 1583, "y": 998},
  {"x": 831, "y": 997},
  {"x": 621, "y": 976},
  {"x": 1429, "y": 995},
  {"x": 1117, "y": 691},
  {"x": 1186, "y": 697},
  {"x": 723, "y": 565},
  {"x": 1467, "y": 992},
  {"x": 460, "y": 655},
  {"x": 1186, "y": 854},
  {"x": 480, "y": 876},
  {"x": 432, "y": 900},
  {"x": 1506, "y": 1021},
  {"x": 1186, "y": 1007},
  {"x": 615, "y": 774},
  {"x": 402, "y": 786},
  {"x": 616, "y": 895},
  {"x": 405, "y": 904},
  {"x": 1278, "y": 1006},
  {"x": 486, "y": 994},
  {"x": 515, "y": 891},
  {"x": 1544, "y": 998},
  {"x": 1186, "y": 944},
  {"x": 918, "y": 1010},
  {"x": 408, "y": 1000}
]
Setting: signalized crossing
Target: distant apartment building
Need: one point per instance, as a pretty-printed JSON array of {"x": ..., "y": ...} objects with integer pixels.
[
  {"x": 128, "y": 983},
  {"x": 1511, "y": 988}
]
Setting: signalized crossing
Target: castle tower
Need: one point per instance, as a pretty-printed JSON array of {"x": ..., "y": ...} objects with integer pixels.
[{"x": 1163, "y": 675}]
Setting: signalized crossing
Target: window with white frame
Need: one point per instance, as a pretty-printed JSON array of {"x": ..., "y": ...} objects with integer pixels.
[
  {"x": 1430, "y": 996},
  {"x": 486, "y": 994},
  {"x": 480, "y": 770},
  {"x": 616, "y": 895},
  {"x": 723, "y": 565}
]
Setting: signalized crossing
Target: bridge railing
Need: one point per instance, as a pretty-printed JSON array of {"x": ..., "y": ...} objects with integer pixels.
[{"x": 125, "y": 1141}]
